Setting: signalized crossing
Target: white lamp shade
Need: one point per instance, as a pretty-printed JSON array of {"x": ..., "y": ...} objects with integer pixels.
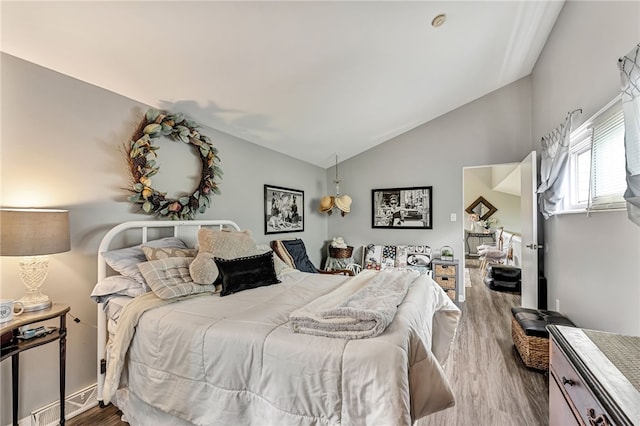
[{"x": 33, "y": 232}]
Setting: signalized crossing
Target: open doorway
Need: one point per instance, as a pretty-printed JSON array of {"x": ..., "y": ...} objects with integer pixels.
[{"x": 492, "y": 204}]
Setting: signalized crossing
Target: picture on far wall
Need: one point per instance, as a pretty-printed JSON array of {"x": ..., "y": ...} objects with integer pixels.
[
  {"x": 402, "y": 208},
  {"x": 283, "y": 210}
]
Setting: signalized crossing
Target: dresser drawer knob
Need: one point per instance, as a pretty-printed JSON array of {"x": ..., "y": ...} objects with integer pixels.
[
  {"x": 601, "y": 420},
  {"x": 566, "y": 381}
]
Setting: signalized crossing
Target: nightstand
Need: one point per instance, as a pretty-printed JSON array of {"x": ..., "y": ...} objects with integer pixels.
[
  {"x": 445, "y": 273},
  {"x": 474, "y": 239},
  {"x": 16, "y": 346}
]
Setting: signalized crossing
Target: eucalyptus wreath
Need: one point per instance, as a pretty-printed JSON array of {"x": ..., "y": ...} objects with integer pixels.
[{"x": 141, "y": 157}]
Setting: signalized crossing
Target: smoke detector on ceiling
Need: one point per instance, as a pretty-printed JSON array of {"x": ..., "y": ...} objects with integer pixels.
[{"x": 438, "y": 20}]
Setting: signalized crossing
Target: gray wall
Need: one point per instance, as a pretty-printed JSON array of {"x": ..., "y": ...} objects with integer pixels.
[
  {"x": 491, "y": 130},
  {"x": 61, "y": 147},
  {"x": 591, "y": 262}
]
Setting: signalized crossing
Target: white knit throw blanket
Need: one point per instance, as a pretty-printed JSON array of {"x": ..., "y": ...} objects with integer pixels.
[{"x": 362, "y": 307}]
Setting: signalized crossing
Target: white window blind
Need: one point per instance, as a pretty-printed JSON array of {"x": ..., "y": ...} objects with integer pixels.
[{"x": 607, "y": 159}]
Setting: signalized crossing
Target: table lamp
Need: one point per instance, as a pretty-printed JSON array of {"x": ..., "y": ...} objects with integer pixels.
[{"x": 34, "y": 234}]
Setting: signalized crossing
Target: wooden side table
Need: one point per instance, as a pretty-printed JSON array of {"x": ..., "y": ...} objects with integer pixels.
[
  {"x": 17, "y": 345},
  {"x": 474, "y": 239}
]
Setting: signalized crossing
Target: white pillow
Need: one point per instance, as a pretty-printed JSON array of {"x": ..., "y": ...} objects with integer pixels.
[
  {"x": 169, "y": 278},
  {"x": 125, "y": 261},
  {"x": 116, "y": 285}
]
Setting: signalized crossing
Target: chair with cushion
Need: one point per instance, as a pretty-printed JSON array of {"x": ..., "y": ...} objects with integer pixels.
[
  {"x": 294, "y": 253},
  {"x": 495, "y": 255}
]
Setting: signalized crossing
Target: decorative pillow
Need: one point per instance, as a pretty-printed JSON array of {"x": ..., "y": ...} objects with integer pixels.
[
  {"x": 282, "y": 253},
  {"x": 418, "y": 255},
  {"x": 373, "y": 257},
  {"x": 117, "y": 285},
  {"x": 203, "y": 269},
  {"x": 294, "y": 254},
  {"x": 278, "y": 263},
  {"x": 246, "y": 272},
  {"x": 223, "y": 244},
  {"x": 155, "y": 253},
  {"x": 169, "y": 278},
  {"x": 388, "y": 259},
  {"x": 401, "y": 256},
  {"x": 125, "y": 261}
]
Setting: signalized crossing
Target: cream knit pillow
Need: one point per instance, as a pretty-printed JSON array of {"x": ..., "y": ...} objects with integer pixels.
[{"x": 222, "y": 244}]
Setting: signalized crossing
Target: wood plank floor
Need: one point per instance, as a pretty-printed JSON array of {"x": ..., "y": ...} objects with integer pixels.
[
  {"x": 108, "y": 416},
  {"x": 491, "y": 384}
]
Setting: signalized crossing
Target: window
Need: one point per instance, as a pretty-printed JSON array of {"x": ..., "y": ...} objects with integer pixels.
[
  {"x": 597, "y": 161},
  {"x": 580, "y": 167}
]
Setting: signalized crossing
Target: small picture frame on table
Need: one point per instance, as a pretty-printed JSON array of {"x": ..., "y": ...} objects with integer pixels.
[{"x": 283, "y": 210}]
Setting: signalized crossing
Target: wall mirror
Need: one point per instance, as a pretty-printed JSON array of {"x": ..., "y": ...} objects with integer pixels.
[{"x": 482, "y": 208}]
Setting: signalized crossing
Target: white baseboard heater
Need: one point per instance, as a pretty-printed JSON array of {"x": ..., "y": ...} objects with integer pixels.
[{"x": 75, "y": 404}]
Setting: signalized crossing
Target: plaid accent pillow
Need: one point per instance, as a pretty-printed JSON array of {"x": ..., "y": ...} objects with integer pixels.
[
  {"x": 125, "y": 261},
  {"x": 169, "y": 278}
]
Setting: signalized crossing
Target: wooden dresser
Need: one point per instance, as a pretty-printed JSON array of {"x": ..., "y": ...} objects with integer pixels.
[{"x": 594, "y": 378}]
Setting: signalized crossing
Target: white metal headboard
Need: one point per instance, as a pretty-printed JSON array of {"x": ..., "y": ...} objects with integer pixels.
[{"x": 185, "y": 230}]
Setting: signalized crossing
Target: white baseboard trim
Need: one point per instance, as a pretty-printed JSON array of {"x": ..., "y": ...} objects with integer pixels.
[{"x": 25, "y": 421}]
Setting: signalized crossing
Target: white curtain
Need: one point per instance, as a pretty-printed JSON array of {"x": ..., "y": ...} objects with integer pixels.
[
  {"x": 630, "y": 77},
  {"x": 555, "y": 160}
]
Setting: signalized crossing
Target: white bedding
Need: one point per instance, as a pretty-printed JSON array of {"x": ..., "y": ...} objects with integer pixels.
[
  {"x": 114, "y": 306},
  {"x": 234, "y": 360}
]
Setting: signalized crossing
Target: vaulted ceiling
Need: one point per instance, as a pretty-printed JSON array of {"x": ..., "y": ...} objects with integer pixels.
[{"x": 310, "y": 79}]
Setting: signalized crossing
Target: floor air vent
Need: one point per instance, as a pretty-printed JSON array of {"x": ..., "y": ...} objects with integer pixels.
[{"x": 74, "y": 404}]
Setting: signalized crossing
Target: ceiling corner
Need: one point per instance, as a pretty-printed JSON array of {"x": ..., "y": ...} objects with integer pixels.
[{"x": 532, "y": 26}]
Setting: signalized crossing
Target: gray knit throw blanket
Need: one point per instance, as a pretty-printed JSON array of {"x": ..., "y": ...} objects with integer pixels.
[{"x": 362, "y": 307}]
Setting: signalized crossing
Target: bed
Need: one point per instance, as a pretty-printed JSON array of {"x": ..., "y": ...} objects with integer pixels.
[{"x": 205, "y": 359}]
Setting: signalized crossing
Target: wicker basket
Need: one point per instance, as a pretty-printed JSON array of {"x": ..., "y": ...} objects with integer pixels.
[
  {"x": 448, "y": 283},
  {"x": 533, "y": 350},
  {"x": 448, "y": 270},
  {"x": 451, "y": 294},
  {"x": 340, "y": 253}
]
